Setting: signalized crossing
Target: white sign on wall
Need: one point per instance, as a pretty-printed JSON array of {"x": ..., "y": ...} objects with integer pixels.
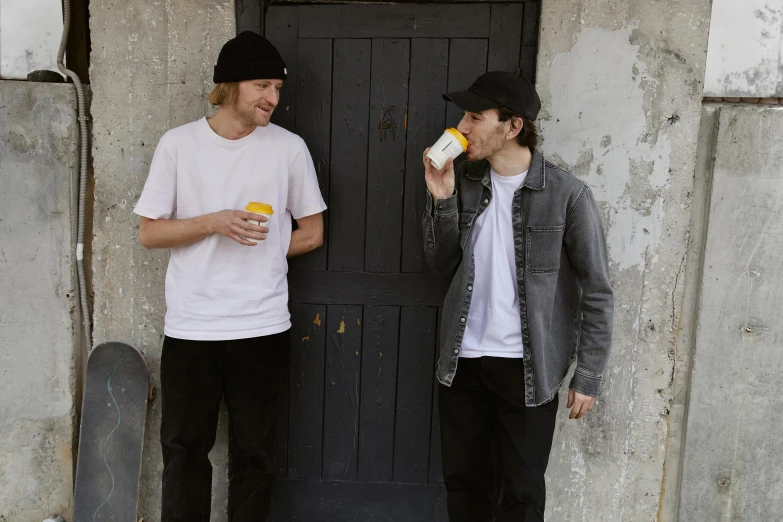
[
  {"x": 30, "y": 33},
  {"x": 745, "y": 57}
]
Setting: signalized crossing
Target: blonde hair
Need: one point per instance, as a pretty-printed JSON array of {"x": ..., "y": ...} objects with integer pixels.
[{"x": 224, "y": 93}]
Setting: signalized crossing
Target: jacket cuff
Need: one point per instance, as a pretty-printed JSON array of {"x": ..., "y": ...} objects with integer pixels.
[
  {"x": 586, "y": 384},
  {"x": 444, "y": 206}
]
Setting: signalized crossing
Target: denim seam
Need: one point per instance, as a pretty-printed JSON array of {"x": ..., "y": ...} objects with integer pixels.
[{"x": 576, "y": 204}]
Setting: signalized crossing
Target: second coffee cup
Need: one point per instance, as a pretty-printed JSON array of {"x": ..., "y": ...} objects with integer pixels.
[{"x": 259, "y": 208}]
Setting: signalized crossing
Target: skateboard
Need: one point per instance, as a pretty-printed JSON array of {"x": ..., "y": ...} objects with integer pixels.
[{"x": 111, "y": 437}]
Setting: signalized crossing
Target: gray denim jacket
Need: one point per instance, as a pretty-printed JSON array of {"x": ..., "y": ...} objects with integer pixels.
[{"x": 565, "y": 294}]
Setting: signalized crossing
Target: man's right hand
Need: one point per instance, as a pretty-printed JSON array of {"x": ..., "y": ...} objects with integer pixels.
[
  {"x": 234, "y": 224},
  {"x": 440, "y": 183}
]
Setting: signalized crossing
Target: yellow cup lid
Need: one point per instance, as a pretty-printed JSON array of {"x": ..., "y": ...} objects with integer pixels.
[
  {"x": 257, "y": 207},
  {"x": 457, "y": 134}
]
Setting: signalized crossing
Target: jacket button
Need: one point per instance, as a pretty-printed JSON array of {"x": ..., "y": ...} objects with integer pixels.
[
  {"x": 486, "y": 201},
  {"x": 470, "y": 288},
  {"x": 456, "y": 351},
  {"x": 440, "y": 206},
  {"x": 461, "y": 319}
]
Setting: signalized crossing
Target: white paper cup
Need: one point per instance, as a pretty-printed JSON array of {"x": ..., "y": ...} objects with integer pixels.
[
  {"x": 263, "y": 209},
  {"x": 266, "y": 224},
  {"x": 450, "y": 145}
]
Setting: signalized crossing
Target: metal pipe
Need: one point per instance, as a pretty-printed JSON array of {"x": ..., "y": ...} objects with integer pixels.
[{"x": 83, "y": 149}]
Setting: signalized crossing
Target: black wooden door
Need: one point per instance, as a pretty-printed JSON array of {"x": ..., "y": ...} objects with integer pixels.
[{"x": 359, "y": 437}]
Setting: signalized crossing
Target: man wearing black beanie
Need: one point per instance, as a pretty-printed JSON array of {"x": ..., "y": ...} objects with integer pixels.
[{"x": 227, "y": 318}]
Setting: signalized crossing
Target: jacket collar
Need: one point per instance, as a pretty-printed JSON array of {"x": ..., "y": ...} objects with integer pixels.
[{"x": 535, "y": 179}]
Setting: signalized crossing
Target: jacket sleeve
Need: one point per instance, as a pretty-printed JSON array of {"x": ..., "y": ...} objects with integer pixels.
[
  {"x": 441, "y": 235},
  {"x": 585, "y": 245}
]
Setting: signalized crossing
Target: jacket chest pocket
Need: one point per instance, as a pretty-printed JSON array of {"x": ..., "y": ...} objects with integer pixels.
[
  {"x": 465, "y": 222},
  {"x": 544, "y": 247}
]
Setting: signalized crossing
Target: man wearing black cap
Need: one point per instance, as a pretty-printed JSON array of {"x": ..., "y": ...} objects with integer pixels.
[
  {"x": 227, "y": 319},
  {"x": 524, "y": 245}
]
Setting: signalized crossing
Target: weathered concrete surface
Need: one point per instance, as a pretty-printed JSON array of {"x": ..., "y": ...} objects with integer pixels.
[
  {"x": 683, "y": 356},
  {"x": 731, "y": 467},
  {"x": 745, "y": 56},
  {"x": 151, "y": 63},
  {"x": 38, "y": 336},
  {"x": 621, "y": 89}
]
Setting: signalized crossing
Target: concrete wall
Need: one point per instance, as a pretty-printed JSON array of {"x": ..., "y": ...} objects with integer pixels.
[
  {"x": 151, "y": 71},
  {"x": 731, "y": 466},
  {"x": 621, "y": 85},
  {"x": 38, "y": 309},
  {"x": 745, "y": 56}
]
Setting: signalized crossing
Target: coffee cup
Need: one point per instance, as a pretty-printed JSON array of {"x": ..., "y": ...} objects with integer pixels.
[
  {"x": 450, "y": 145},
  {"x": 256, "y": 207}
]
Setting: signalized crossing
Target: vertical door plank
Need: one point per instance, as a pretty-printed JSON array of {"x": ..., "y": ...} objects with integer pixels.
[
  {"x": 341, "y": 400},
  {"x": 527, "y": 55},
  {"x": 248, "y": 13},
  {"x": 308, "y": 342},
  {"x": 314, "y": 125},
  {"x": 436, "y": 460},
  {"x": 379, "y": 380},
  {"x": 281, "y": 436},
  {"x": 467, "y": 61},
  {"x": 282, "y": 28},
  {"x": 426, "y": 121},
  {"x": 530, "y": 24},
  {"x": 505, "y": 35},
  {"x": 386, "y": 157},
  {"x": 414, "y": 395},
  {"x": 348, "y": 184}
]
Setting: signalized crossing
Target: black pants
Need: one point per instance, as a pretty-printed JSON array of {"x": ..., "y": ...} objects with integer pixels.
[
  {"x": 483, "y": 415},
  {"x": 194, "y": 377}
]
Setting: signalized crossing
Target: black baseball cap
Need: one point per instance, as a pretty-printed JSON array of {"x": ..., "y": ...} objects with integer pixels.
[{"x": 498, "y": 89}]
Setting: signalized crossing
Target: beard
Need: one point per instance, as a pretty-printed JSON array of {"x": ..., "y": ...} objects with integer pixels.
[
  {"x": 483, "y": 149},
  {"x": 251, "y": 116}
]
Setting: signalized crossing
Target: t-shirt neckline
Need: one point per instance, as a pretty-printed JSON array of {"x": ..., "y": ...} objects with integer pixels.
[
  {"x": 220, "y": 140},
  {"x": 508, "y": 179}
]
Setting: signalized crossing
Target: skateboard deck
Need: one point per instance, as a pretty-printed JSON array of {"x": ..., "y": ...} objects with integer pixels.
[{"x": 114, "y": 413}]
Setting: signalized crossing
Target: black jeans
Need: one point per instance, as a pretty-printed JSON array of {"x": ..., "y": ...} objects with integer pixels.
[
  {"x": 483, "y": 418},
  {"x": 194, "y": 377}
]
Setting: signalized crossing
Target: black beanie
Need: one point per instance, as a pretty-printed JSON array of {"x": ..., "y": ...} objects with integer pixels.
[{"x": 249, "y": 56}]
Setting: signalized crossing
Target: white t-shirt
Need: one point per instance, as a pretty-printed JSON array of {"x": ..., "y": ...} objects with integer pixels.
[
  {"x": 493, "y": 327},
  {"x": 216, "y": 288}
]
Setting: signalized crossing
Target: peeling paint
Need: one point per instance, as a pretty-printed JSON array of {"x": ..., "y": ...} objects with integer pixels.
[{"x": 606, "y": 110}]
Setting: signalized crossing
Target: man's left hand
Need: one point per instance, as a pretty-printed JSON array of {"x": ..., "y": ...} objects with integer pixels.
[{"x": 582, "y": 404}]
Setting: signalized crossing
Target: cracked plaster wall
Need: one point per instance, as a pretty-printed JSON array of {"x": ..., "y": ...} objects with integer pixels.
[{"x": 621, "y": 86}]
